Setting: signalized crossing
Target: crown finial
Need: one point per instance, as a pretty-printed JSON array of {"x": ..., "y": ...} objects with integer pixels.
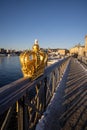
[
  {"x": 33, "y": 61},
  {"x": 36, "y": 41}
]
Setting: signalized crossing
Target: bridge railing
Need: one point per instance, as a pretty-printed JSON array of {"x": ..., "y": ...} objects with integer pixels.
[
  {"x": 82, "y": 59},
  {"x": 23, "y": 102}
]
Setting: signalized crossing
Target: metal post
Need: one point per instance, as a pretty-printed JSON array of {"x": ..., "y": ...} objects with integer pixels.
[
  {"x": 20, "y": 117},
  {"x": 45, "y": 90},
  {"x": 25, "y": 114}
]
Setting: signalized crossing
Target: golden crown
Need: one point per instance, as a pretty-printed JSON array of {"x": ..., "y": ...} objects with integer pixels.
[{"x": 33, "y": 62}]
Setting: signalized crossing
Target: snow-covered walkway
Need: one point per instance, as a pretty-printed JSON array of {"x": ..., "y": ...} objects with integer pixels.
[{"x": 68, "y": 107}]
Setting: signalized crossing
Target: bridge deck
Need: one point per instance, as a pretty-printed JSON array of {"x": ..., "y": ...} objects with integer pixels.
[{"x": 68, "y": 107}]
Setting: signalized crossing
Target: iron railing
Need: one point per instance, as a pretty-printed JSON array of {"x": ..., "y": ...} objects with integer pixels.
[
  {"x": 82, "y": 59},
  {"x": 23, "y": 102}
]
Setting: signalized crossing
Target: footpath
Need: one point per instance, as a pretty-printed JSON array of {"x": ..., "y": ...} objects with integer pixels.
[{"x": 68, "y": 107}]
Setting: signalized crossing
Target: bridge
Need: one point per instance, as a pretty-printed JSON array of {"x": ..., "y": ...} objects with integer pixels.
[{"x": 57, "y": 100}]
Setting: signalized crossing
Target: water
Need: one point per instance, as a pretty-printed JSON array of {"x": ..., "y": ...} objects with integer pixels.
[{"x": 10, "y": 70}]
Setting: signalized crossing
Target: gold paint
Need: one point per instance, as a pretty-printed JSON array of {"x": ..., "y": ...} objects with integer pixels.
[
  {"x": 33, "y": 62},
  {"x": 16, "y": 106}
]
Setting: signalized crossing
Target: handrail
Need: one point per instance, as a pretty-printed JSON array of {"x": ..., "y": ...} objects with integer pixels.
[
  {"x": 29, "y": 94},
  {"x": 15, "y": 90},
  {"x": 83, "y": 59}
]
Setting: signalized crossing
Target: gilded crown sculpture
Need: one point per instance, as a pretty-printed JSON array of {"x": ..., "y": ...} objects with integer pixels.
[{"x": 33, "y": 62}]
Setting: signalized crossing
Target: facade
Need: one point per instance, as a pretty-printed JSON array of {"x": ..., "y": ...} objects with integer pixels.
[
  {"x": 86, "y": 42},
  {"x": 2, "y": 50},
  {"x": 59, "y": 51},
  {"x": 63, "y": 51},
  {"x": 75, "y": 49},
  {"x": 85, "y": 46},
  {"x": 80, "y": 50}
]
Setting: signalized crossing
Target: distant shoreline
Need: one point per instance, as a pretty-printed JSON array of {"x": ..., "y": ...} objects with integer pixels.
[{"x": 3, "y": 55}]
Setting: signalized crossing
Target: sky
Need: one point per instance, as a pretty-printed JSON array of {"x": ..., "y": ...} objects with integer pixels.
[{"x": 55, "y": 23}]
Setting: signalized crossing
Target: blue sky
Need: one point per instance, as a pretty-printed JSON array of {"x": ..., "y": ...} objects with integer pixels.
[{"x": 55, "y": 23}]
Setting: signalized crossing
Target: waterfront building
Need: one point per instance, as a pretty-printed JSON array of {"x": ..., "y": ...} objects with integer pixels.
[
  {"x": 63, "y": 51},
  {"x": 7, "y": 51},
  {"x": 2, "y": 50},
  {"x": 86, "y": 45},
  {"x": 79, "y": 49},
  {"x": 59, "y": 51}
]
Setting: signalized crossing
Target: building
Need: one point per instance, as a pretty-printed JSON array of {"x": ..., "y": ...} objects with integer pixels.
[
  {"x": 79, "y": 49},
  {"x": 85, "y": 46},
  {"x": 2, "y": 50},
  {"x": 63, "y": 51}
]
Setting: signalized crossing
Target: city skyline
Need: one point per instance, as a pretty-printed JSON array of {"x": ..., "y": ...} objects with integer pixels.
[{"x": 55, "y": 23}]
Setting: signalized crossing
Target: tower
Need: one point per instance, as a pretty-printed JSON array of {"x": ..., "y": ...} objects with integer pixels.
[
  {"x": 86, "y": 43},
  {"x": 85, "y": 52}
]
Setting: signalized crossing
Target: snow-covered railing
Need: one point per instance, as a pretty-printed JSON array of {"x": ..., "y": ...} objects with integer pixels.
[
  {"x": 23, "y": 102},
  {"x": 82, "y": 59}
]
